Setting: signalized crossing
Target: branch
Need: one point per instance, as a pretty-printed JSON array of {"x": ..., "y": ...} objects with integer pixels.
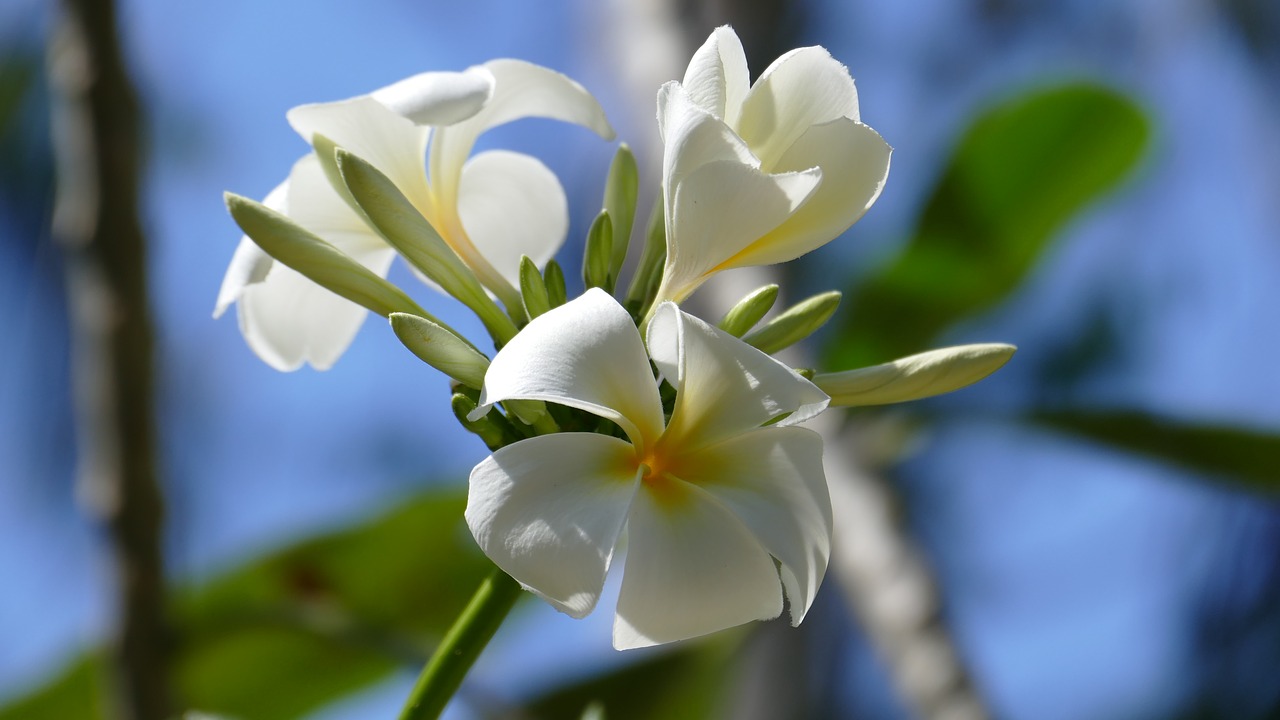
[{"x": 95, "y": 133}]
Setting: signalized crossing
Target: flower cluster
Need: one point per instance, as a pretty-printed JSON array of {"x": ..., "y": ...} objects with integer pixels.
[{"x": 607, "y": 419}]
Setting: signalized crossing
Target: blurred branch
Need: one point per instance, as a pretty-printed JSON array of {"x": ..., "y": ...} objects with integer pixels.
[
  {"x": 884, "y": 578},
  {"x": 95, "y": 133}
]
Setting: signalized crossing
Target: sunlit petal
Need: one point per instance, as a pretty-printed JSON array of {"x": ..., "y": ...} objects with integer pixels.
[
  {"x": 548, "y": 511},
  {"x": 287, "y": 319},
  {"x": 512, "y": 205},
  {"x": 438, "y": 98},
  {"x": 363, "y": 126},
  {"x": 772, "y": 479},
  {"x": 855, "y": 164},
  {"x": 717, "y": 77},
  {"x": 692, "y": 568},
  {"x": 804, "y": 87},
  {"x": 693, "y": 137},
  {"x": 586, "y": 354},
  {"x": 720, "y": 210},
  {"x": 724, "y": 386},
  {"x": 520, "y": 90}
]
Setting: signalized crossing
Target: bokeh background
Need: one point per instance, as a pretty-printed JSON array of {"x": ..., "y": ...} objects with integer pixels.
[{"x": 1091, "y": 533}]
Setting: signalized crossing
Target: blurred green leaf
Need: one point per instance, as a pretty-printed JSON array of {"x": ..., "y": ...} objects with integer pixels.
[
  {"x": 687, "y": 683},
  {"x": 304, "y": 626},
  {"x": 1243, "y": 457},
  {"x": 79, "y": 691},
  {"x": 1019, "y": 175}
]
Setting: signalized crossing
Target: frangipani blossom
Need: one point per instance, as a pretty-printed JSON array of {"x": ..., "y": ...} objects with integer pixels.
[
  {"x": 708, "y": 499},
  {"x": 760, "y": 174},
  {"x": 490, "y": 209}
]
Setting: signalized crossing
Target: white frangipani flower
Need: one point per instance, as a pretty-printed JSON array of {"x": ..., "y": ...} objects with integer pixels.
[
  {"x": 490, "y": 209},
  {"x": 708, "y": 499},
  {"x": 760, "y": 174}
]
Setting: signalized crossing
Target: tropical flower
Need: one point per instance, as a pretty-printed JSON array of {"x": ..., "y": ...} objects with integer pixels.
[
  {"x": 490, "y": 209},
  {"x": 760, "y": 174},
  {"x": 708, "y": 499}
]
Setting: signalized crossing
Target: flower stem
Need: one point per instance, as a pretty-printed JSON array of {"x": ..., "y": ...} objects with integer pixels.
[{"x": 461, "y": 646}]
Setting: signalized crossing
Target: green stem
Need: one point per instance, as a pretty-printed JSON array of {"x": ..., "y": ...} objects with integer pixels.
[{"x": 461, "y": 646}]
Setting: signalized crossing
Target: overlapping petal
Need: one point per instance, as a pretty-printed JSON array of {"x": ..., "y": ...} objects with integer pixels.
[
  {"x": 717, "y": 77},
  {"x": 724, "y": 386},
  {"x": 692, "y": 568},
  {"x": 549, "y": 510},
  {"x": 772, "y": 479},
  {"x": 512, "y": 205},
  {"x": 438, "y": 98},
  {"x": 287, "y": 319},
  {"x": 584, "y": 354},
  {"x": 709, "y": 502}
]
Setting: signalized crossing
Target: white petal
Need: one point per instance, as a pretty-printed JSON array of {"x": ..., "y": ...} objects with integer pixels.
[
  {"x": 693, "y": 137},
  {"x": 717, "y": 77},
  {"x": 804, "y": 87},
  {"x": 724, "y": 387},
  {"x": 363, "y": 126},
  {"x": 855, "y": 163},
  {"x": 692, "y": 568},
  {"x": 720, "y": 210},
  {"x": 520, "y": 90},
  {"x": 438, "y": 98},
  {"x": 289, "y": 320},
  {"x": 917, "y": 376},
  {"x": 286, "y": 318},
  {"x": 586, "y": 354},
  {"x": 249, "y": 264},
  {"x": 548, "y": 511},
  {"x": 512, "y": 205},
  {"x": 772, "y": 479}
]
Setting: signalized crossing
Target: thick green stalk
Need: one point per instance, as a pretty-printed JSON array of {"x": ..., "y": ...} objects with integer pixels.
[{"x": 461, "y": 646}]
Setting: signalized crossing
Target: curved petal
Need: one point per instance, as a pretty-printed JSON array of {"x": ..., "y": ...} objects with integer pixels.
[
  {"x": 692, "y": 568},
  {"x": 772, "y": 479},
  {"x": 249, "y": 264},
  {"x": 693, "y": 137},
  {"x": 720, "y": 210},
  {"x": 438, "y": 98},
  {"x": 717, "y": 77},
  {"x": 723, "y": 385},
  {"x": 363, "y": 126},
  {"x": 855, "y": 164},
  {"x": 804, "y": 87},
  {"x": 548, "y": 511},
  {"x": 520, "y": 90},
  {"x": 585, "y": 354},
  {"x": 512, "y": 205},
  {"x": 288, "y": 319}
]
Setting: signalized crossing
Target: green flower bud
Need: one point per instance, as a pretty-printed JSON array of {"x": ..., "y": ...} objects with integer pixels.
[
  {"x": 440, "y": 348},
  {"x": 915, "y": 377},
  {"x": 795, "y": 324},
  {"x": 553, "y": 276},
  {"x": 596, "y": 258},
  {"x": 744, "y": 316},
  {"x": 532, "y": 288},
  {"x": 295, "y": 246},
  {"x": 620, "y": 201}
]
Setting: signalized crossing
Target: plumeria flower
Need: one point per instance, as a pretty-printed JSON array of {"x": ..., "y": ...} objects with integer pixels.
[
  {"x": 490, "y": 208},
  {"x": 760, "y": 174},
  {"x": 708, "y": 499}
]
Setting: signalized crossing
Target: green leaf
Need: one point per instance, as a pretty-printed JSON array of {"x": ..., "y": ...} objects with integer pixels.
[
  {"x": 1019, "y": 175},
  {"x": 304, "y": 626},
  {"x": 80, "y": 691},
  {"x": 1243, "y": 457},
  {"x": 682, "y": 684}
]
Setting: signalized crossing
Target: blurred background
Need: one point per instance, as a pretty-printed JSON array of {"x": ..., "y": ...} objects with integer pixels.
[{"x": 1091, "y": 533}]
